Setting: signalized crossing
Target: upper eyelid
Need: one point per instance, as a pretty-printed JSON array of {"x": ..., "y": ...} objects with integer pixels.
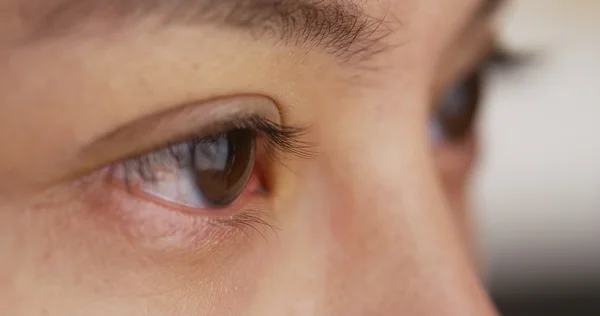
[
  {"x": 475, "y": 58},
  {"x": 191, "y": 113},
  {"x": 175, "y": 125}
]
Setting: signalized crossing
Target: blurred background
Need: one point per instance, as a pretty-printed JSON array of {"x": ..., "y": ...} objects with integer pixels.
[{"x": 538, "y": 192}]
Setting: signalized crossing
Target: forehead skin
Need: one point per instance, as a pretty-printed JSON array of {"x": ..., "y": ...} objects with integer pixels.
[{"x": 365, "y": 229}]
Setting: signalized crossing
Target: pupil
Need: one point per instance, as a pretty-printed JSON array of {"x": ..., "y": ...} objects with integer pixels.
[{"x": 223, "y": 166}]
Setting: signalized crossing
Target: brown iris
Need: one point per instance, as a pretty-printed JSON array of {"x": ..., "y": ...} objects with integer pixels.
[{"x": 223, "y": 166}]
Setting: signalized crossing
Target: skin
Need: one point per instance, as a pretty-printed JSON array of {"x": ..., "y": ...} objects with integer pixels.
[{"x": 375, "y": 224}]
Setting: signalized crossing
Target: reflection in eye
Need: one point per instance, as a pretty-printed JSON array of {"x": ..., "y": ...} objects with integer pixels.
[
  {"x": 209, "y": 172},
  {"x": 222, "y": 166}
]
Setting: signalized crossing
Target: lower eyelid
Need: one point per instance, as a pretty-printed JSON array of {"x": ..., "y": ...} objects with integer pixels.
[{"x": 153, "y": 226}]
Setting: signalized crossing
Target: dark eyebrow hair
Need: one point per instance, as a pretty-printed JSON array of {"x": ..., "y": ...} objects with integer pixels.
[{"x": 339, "y": 27}]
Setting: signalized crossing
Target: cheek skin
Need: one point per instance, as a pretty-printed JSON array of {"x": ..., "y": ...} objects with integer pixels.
[
  {"x": 73, "y": 248},
  {"x": 455, "y": 164}
]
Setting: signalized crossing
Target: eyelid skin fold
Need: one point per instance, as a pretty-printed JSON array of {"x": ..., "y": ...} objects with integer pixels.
[{"x": 191, "y": 119}]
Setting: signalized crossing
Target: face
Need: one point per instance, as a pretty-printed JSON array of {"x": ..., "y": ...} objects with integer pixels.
[{"x": 251, "y": 157}]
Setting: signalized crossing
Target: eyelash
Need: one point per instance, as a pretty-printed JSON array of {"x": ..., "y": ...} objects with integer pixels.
[
  {"x": 456, "y": 110},
  {"x": 278, "y": 141},
  {"x": 501, "y": 59}
]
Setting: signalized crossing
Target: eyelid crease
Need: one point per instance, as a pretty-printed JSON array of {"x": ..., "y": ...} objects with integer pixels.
[{"x": 175, "y": 124}]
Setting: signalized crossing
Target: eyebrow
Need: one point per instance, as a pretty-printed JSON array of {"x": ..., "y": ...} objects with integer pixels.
[{"x": 339, "y": 27}]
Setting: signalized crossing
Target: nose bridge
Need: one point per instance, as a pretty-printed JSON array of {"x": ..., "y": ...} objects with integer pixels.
[
  {"x": 393, "y": 250},
  {"x": 369, "y": 234}
]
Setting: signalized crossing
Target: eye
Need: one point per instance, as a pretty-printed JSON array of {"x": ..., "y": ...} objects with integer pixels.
[
  {"x": 456, "y": 113},
  {"x": 205, "y": 173},
  {"x": 211, "y": 172}
]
